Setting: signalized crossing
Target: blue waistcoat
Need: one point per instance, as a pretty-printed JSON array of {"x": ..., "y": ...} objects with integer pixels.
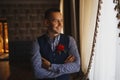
[{"x": 54, "y": 56}]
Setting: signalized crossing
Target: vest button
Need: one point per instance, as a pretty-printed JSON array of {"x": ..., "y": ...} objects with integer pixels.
[
  {"x": 54, "y": 59},
  {"x": 53, "y": 54}
]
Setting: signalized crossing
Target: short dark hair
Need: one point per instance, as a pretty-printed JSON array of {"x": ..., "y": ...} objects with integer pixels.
[{"x": 49, "y": 11}]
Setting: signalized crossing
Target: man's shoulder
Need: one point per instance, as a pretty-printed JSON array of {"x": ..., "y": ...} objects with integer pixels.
[
  {"x": 68, "y": 36},
  {"x": 64, "y": 35},
  {"x": 41, "y": 36}
]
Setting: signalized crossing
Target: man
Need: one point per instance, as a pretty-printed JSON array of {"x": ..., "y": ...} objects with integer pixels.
[{"x": 54, "y": 55}]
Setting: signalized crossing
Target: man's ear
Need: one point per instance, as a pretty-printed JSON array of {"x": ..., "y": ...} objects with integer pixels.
[{"x": 46, "y": 22}]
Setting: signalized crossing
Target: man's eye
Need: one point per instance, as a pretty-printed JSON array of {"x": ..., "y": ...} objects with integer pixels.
[{"x": 57, "y": 20}]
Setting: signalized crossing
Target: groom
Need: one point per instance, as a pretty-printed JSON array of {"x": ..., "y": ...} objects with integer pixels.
[{"x": 54, "y": 55}]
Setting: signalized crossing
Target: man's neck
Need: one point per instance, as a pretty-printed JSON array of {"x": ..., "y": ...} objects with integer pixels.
[{"x": 52, "y": 35}]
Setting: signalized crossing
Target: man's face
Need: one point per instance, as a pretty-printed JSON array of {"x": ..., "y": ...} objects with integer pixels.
[{"x": 55, "y": 23}]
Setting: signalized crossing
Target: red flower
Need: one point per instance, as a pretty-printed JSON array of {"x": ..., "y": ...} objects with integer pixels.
[{"x": 60, "y": 48}]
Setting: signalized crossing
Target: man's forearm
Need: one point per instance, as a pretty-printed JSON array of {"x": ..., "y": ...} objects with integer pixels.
[
  {"x": 66, "y": 68},
  {"x": 43, "y": 73},
  {"x": 71, "y": 65},
  {"x": 39, "y": 71}
]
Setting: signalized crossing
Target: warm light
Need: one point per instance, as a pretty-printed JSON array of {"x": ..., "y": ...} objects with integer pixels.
[{"x": 3, "y": 36}]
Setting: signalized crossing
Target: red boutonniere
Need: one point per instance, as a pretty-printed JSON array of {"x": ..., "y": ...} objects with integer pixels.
[{"x": 60, "y": 48}]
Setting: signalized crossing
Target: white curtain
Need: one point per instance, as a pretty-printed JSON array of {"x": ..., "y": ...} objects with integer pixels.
[
  {"x": 105, "y": 65},
  {"x": 117, "y": 76},
  {"x": 88, "y": 11}
]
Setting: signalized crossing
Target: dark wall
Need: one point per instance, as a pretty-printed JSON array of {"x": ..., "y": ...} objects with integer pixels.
[{"x": 24, "y": 19}]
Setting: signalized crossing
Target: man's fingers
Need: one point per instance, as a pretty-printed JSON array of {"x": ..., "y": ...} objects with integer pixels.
[
  {"x": 70, "y": 58},
  {"x": 45, "y": 63},
  {"x": 43, "y": 59}
]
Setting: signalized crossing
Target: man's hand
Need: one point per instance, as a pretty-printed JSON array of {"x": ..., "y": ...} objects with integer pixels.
[
  {"x": 45, "y": 63},
  {"x": 70, "y": 58}
]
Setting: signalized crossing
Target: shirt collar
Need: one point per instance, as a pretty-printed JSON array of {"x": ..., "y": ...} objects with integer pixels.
[{"x": 56, "y": 37}]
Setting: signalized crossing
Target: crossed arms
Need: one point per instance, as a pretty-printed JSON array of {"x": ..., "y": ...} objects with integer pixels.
[{"x": 41, "y": 65}]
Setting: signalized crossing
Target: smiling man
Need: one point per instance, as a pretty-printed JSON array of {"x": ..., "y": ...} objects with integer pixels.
[{"x": 54, "y": 55}]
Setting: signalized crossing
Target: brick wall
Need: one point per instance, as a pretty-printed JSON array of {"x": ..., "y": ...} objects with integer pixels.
[{"x": 25, "y": 17}]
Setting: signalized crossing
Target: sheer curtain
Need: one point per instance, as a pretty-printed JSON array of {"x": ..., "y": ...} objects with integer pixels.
[{"x": 104, "y": 62}]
